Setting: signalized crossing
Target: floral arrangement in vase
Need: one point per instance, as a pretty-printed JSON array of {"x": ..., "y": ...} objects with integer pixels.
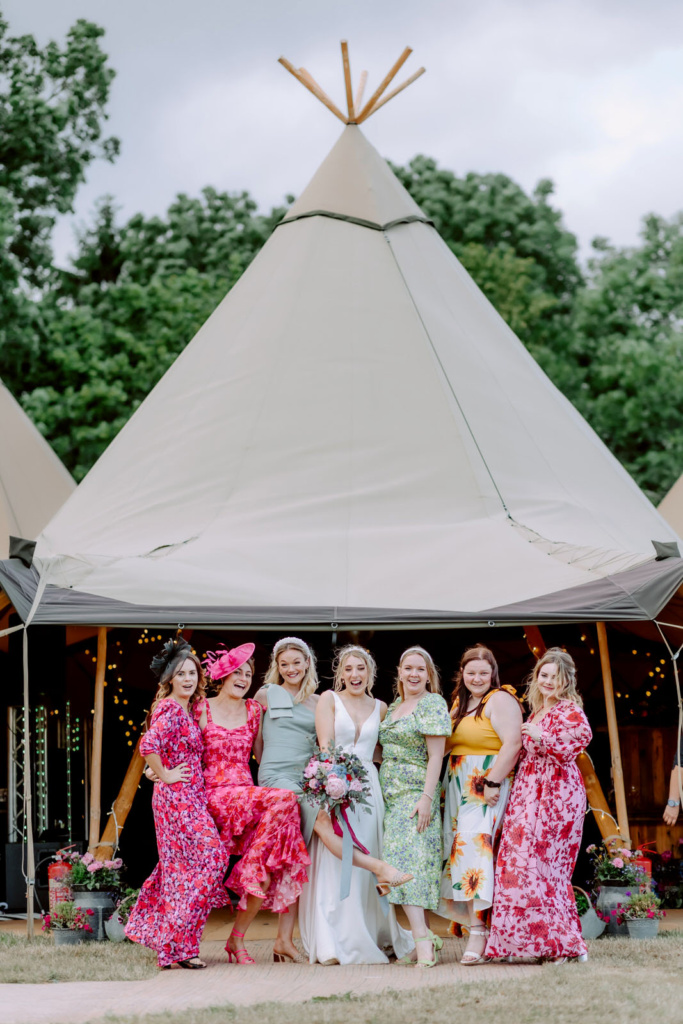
[
  {"x": 615, "y": 867},
  {"x": 94, "y": 875},
  {"x": 67, "y": 917}
]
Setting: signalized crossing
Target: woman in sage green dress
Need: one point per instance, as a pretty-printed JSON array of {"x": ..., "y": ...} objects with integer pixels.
[
  {"x": 413, "y": 736},
  {"x": 289, "y": 737}
]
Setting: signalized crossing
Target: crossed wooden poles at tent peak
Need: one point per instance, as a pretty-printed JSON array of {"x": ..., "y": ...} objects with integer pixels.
[{"x": 357, "y": 113}]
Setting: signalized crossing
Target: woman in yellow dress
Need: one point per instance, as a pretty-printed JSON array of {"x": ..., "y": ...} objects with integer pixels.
[{"x": 483, "y": 750}]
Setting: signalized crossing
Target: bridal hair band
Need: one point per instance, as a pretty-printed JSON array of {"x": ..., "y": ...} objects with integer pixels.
[{"x": 294, "y": 641}]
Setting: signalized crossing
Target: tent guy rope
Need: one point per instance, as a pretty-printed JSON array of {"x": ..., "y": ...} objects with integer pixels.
[{"x": 356, "y": 113}]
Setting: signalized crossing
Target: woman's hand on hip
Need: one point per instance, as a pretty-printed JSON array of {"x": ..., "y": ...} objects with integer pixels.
[
  {"x": 423, "y": 809},
  {"x": 181, "y": 773}
]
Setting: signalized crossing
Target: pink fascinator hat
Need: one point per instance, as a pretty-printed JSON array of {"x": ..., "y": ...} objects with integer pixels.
[{"x": 219, "y": 664}]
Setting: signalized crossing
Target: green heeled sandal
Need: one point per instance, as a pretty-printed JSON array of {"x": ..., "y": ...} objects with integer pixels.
[{"x": 434, "y": 961}]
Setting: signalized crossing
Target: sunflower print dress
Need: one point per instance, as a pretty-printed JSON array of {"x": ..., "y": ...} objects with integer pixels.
[
  {"x": 402, "y": 777},
  {"x": 471, "y": 829}
]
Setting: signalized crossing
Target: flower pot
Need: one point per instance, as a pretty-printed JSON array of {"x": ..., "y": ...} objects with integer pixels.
[
  {"x": 67, "y": 937},
  {"x": 591, "y": 925},
  {"x": 102, "y": 904},
  {"x": 643, "y": 928},
  {"x": 114, "y": 928},
  {"x": 608, "y": 899}
]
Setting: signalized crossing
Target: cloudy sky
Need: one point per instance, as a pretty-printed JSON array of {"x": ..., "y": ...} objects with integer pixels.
[{"x": 586, "y": 92}]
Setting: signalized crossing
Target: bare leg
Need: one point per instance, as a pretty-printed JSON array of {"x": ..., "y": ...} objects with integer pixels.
[
  {"x": 384, "y": 872},
  {"x": 476, "y": 940},
  {"x": 284, "y": 942},
  {"x": 417, "y": 919},
  {"x": 243, "y": 919}
]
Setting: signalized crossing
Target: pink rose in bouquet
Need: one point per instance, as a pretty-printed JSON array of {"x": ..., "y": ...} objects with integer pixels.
[{"x": 335, "y": 787}]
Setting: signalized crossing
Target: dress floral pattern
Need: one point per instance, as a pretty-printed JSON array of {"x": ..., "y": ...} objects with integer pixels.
[
  {"x": 534, "y": 913},
  {"x": 174, "y": 903},
  {"x": 471, "y": 835},
  {"x": 402, "y": 777},
  {"x": 259, "y": 825}
]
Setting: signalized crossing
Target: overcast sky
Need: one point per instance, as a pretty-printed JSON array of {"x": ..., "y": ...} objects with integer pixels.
[{"x": 586, "y": 92}]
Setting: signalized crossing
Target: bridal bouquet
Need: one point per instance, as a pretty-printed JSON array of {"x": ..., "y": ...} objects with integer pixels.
[{"x": 336, "y": 780}]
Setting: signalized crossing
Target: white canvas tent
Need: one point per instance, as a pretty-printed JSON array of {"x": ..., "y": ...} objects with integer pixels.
[
  {"x": 33, "y": 481},
  {"x": 671, "y": 507},
  {"x": 354, "y": 435}
]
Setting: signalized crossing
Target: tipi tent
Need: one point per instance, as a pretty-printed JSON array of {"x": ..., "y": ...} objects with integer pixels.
[
  {"x": 33, "y": 481},
  {"x": 671, "y": 507},
  {"x": 354, "y": 436}
]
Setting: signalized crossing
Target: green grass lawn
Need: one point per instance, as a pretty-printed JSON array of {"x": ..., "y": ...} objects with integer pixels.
[{"x": 91, "y": 961}]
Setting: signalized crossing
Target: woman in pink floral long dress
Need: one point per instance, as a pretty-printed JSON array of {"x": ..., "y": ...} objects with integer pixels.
[
  {"x": 534, "y": 912},
  {"x": 174, "y": 903},
  {"x": 261, "y": 825}
]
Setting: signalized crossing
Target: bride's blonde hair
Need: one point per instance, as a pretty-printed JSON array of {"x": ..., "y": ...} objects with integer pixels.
[
  {"x": 310, "y": 683},
  {"x": 357, "y": 652}
]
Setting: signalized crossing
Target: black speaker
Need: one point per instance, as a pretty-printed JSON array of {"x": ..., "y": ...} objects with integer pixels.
[{"x": 15, "y": 885}]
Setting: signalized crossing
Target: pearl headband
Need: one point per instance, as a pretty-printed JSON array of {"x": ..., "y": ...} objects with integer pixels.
[{"x": 293, "y": 641}]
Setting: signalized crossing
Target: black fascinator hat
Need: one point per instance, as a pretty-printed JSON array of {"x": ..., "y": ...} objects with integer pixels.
[{"x": 169, "y": 652}]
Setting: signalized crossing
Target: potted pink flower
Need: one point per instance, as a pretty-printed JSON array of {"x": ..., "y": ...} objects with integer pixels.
[
  {"x": 641, "y": 914},
  {"x": 613, "y": 873},
  {"x": 95, "y": 883},
  {"x": 68, "y": 923}
]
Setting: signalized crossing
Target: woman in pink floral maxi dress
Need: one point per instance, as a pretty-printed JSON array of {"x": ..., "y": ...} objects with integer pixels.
[
  {"x": 174, "y": 903},
  {"x": 534, "y": 912}
]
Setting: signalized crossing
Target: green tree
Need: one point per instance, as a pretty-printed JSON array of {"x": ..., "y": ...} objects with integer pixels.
[
  {"x": 624, "y": 367},
  {"x": 52, "y": 105}
]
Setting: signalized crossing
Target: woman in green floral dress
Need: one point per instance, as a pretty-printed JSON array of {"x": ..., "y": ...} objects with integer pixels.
[{"x": 413, "y": 736}]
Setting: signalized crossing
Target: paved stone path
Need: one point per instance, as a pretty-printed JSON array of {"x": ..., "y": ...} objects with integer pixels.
[{"x": 222, "y": 983}]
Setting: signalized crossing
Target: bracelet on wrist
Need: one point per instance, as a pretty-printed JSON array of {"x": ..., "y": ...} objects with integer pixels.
[
  {"x": 493, "y": 785},
  {"x": 425, "y": 793}
]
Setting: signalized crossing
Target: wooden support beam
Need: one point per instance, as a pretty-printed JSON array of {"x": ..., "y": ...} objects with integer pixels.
[
  {"x": 535, "y": 641},
  {"x": 362, "y": 82},
  {"x": 597, "y": 802},
  {"x": 309, "y": 82},
  {"x": 347, "y": 79},
  {"x": 96, "y": 758},
  {"x": 613, "y": 730},
  {"x": 122, "y": 805},
  {"x": 388, "y": 78},
  {"x": 390, "y": 95}
]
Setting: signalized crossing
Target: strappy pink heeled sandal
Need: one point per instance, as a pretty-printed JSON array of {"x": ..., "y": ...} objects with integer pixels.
[{"x": 240, "y": 955}]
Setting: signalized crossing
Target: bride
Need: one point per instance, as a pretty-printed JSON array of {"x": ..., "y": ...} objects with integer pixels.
[{"x": 357, "y": 929}]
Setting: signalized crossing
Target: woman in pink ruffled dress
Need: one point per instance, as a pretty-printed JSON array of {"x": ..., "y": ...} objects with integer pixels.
[
  {"x": 534, "y": 912},
  {"x": 260, "y": 825}
]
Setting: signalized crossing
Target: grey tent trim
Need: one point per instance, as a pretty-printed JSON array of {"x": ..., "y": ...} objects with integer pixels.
[
  {"x": 360, "y": 221},
  {"x": 634, "y": 595}
]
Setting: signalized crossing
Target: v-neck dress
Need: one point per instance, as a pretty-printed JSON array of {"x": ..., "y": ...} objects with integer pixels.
[
  {"x": 534, "y": 910},
  {"x": 355, "y": 930},
  {"x": 403, "y": 775},
  {"x": 259, "y": 825},
  {"x": 170, "y": 913}
]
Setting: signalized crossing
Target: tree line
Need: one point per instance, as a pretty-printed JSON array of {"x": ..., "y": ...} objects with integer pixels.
[{"x": 81, "y": 348}]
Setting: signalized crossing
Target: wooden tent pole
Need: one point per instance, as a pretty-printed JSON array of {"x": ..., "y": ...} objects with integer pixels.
[
  {"x": 28, "y": 800},
  {"x": 122, "y": 805},
  {"x": 390, "y": 95},
  {"x": 96, "y": 758},
  {"x": 613, "y": 730},
  {"x": 306, "y": 80},
  {"x": 362, "y": 82},
  {"x": 347, "y": 79},
  {"x": 391, "y": 74}
]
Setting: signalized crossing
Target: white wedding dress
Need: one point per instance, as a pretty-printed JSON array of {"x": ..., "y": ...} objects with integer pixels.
[{"x": 355, "y": 930}]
